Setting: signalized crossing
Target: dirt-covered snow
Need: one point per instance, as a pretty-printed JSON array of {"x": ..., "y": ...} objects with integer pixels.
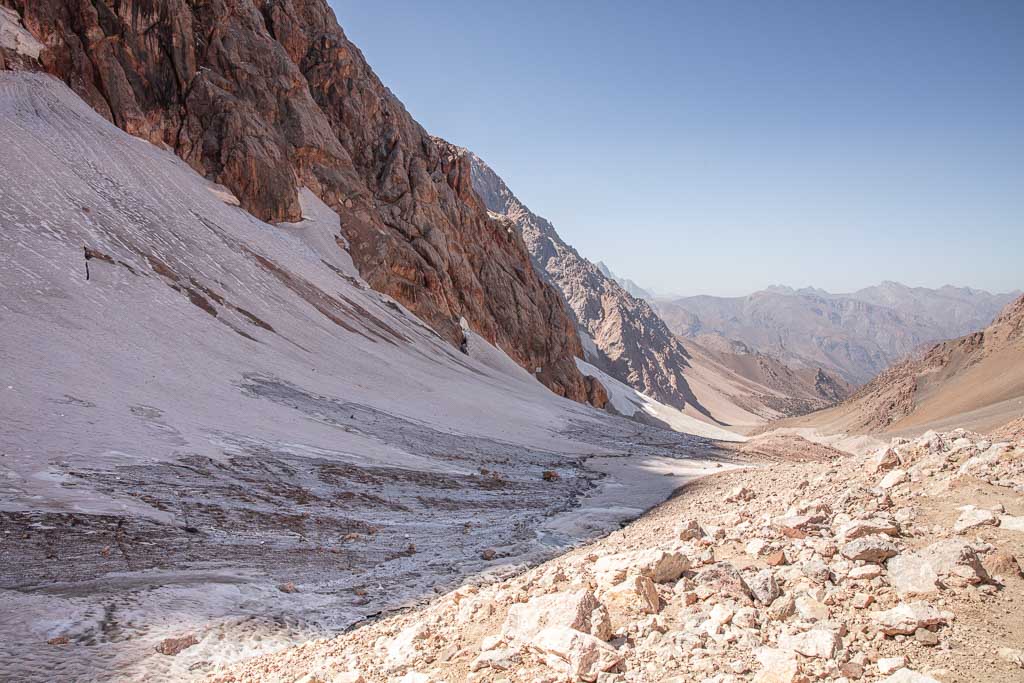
[{"x": 222, "y": 432}]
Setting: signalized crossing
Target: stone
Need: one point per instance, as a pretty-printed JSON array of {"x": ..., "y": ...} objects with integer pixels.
[
  {"x": 948, "y": 562},
  {"x": 580, "y": 656},
  {"x": 501, "y": 659},
  {"x": 885, "y": 460},
  {"x": 347, "y": 677},
  {"x": 783, "y": 607},
  {"x": 906, "y": 618},
  {"x": 1012, "y": 655},
  {"x": 173, "y": 646},
  {"x": 893, "y": 478},
  {"x": 876, "y": 548},
  {"x": 864, "y": 572},
  {"x": 817, "y": 643},
  {"x": 816, "y": 570},
  {"x": 738, "y": 494},
  {"x": 926, "y": 637},
  {"x": 810, "y": 609},
  {"x": 637, "y": 594},
  {"x": 656, "y": 564},
  {"x": 866, "y": 527},
  {"x": 862, "y": 600},
  {"x": 403, "y": 648},
  {"x": 688, "y": 530},
  {"x": 776, "y": 559},
  {"x": 764, "y": 587},
  {"x": 1011, "y": 523},
  {"x": 777, "y": 666},
  {"x": 974, "y": 517},
  {"x": 723, "y": 579},
  {"x": 888, "y": 665},
  {"x": 578, "y": 610}
]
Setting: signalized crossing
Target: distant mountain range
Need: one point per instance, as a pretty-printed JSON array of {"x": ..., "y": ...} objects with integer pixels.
[
  {"x": 857, "y": 334},
  {"x": 975, "y": 381}
]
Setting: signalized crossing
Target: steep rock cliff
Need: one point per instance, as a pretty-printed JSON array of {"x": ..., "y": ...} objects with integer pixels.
[{"x": 268, "y": 96}]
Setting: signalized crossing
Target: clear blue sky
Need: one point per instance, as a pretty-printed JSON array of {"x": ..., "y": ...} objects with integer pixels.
[{"x": 721, "y": 146}]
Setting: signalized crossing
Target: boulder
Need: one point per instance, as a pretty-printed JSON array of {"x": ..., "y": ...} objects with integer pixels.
[
  {"x": 777, "y": 666},
  {"x": 973, "y": 517},
  {"x": 579, "y": 656},
  {"x": 764, "y": 587},
  {"x": 655, "y": 563},
  {"x": 859, "y": 528},
  {"x": 894, "y": 478},
  {"x": 637, "y": 594},
  {"x": 906, "y": 618},
  {"x": 876, "y": 548},
  {"x": 723, "y": 579},
  {"x": 688, "y": 530},
  {"x": 817, "y": 643},
  {"x": 578, "y": 610},
  {"x": 949, "y": 562}
]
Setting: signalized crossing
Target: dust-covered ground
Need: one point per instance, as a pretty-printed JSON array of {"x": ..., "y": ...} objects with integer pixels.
[{"x": 900, "y": 565}]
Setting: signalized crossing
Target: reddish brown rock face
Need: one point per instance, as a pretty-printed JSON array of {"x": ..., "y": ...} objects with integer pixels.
[{"x": 268, "y": 96}]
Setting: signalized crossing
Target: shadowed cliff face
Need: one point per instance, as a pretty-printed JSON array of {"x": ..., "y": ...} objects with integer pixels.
[{"x": 268, "y": 97}]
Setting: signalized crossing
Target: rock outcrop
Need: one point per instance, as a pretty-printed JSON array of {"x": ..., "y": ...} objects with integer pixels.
[{"x": 268, "y": 96}]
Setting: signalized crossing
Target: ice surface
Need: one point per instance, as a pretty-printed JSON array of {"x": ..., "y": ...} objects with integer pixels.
[{"x": 224, "y": 406}]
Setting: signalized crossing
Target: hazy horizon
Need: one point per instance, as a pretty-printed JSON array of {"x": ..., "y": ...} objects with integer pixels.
[{"x": 725, "y": 147}]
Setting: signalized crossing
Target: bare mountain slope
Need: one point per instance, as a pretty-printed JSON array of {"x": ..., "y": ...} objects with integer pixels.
[
  {"x": 857, "y": 335},
  {"x": 634, "y": 345},
  {"x": 269, "y": 96},
  {"x": 211, "y": 426},
  {"x": 976, "y": 381}
]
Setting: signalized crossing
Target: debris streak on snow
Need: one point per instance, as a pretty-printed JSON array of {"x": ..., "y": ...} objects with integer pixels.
[{"x": 223, "y": 408}]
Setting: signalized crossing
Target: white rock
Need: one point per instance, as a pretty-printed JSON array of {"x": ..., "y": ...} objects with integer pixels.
[
  {"x": 656, "y": 564},
  {"x": 865, "y": 527},
  {"x": 402, "y": 649},
  {"x": 818, "y": 643},
  {"x": 1011, "y": 523},
  {"x": 578, "y": 655},
  {"x": 578, "y": 610},
  {"x": 867, "y": 571},
  {"x": 501, "y": 659},
  {"x": 888, "y": 665},
  {"x": 635, "y": 594},
  {"x": 777, "y": 666},
  {"x": 894, "y": 478},
  {"x": 973, "y": 517},
  {"x": 950, "y": 561},
  {"x": 906, "y": 618}
]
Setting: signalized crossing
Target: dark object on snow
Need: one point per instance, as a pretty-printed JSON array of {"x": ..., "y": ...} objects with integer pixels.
[
  {"x": 550, "y": 475},
  {"x": 88, "y": 255}
]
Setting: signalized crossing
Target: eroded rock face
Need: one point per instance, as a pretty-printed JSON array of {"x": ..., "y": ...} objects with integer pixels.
[
  {"x": 637, "y": 348},
  {"x": 307, "y": 110}
]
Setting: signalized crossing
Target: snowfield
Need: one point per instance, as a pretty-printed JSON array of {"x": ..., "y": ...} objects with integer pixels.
[
  {"x": 629, "y": 402},
  {"x": 222, "y": 432}
]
